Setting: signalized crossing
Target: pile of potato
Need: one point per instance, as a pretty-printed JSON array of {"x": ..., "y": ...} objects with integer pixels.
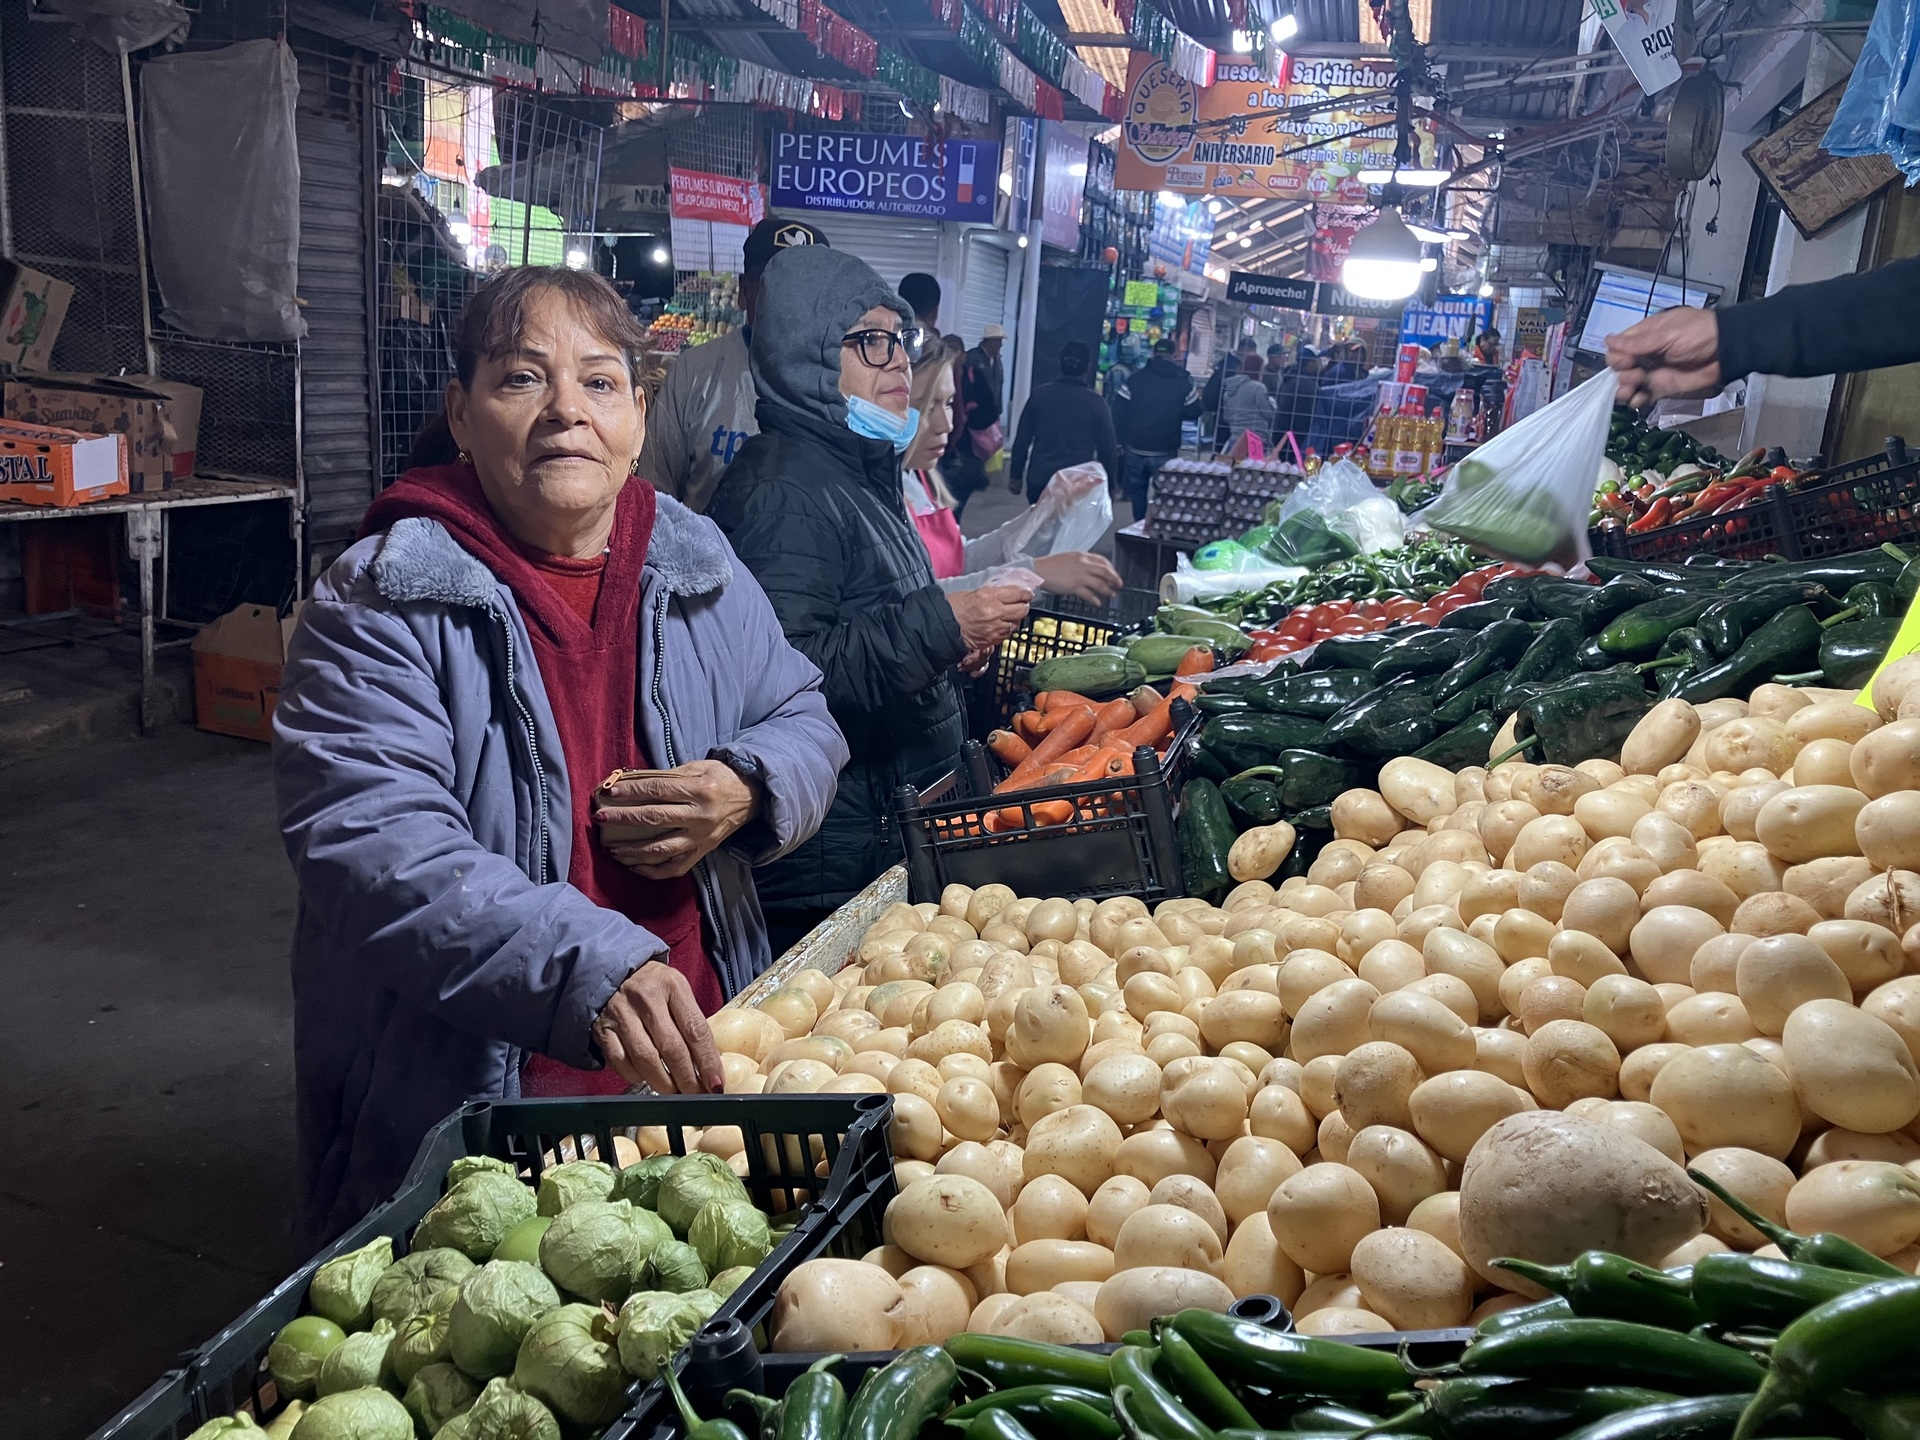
[{"x": 1699, "y": 954}]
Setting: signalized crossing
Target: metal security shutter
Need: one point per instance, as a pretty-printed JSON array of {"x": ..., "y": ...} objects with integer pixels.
[
  {"x": 337, "y": 417},
  {"x": 892, "y": 246},
  {"x": 986, "y": 291}
]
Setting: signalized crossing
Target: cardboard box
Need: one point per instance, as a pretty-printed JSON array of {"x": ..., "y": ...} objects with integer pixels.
[
  {"x": 236, "y": 671},
  {"x": 46, "y": 465},
  {"x": 32, "y": 307},
  {"x": 159, "y": 418}
]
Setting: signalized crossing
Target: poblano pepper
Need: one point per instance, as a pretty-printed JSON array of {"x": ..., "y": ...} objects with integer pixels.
[
  {"x": 1495, "y": 648},
  {"x": 1483, "y": 613},
  {"x": 1585, "y": 718},
  {"x": 1251, "y": 799},
  {"x": 1851, "y": 652},
  {"x": 1425, "y": 652},
  {"x": 1303, "y": 778},
  {"x": 1603, "y": 603},
  {"x": 1790, "y": 641},
  {"x": 1481, "y": 695},
  {"x": 1549, "y": 658},
  {"x": 1467, "y": 743},
  {"x": 1394, "y": 720},
  {"x": 1321, "y": 694},
  {"x": 1726, "y": 623},
  {"x": 1872, "y": 598}
]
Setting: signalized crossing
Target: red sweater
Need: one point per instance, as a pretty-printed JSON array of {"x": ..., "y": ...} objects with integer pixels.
[{"x": 583, "y": 618}]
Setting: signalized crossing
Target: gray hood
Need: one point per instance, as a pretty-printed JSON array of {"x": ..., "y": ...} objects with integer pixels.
[{"x": 810, "y": 297}]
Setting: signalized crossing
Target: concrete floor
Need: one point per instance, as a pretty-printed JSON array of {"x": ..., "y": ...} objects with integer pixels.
[
  {"x": 147, "y": 1122},
  {"x": 147, "y": 1126}
]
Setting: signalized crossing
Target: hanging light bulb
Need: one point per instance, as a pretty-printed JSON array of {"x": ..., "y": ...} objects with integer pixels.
[
  {"x": 1284, "y": 28},
  {"x": 1214, "y": 207},
  {"x": 1383, "y": 262}
]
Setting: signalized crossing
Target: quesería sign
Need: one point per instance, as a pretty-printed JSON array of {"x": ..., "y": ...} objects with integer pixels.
[{"x": 883, "y": 174}]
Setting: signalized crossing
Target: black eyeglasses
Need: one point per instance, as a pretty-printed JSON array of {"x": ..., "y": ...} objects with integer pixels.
[{"x": 877, "y": 347}]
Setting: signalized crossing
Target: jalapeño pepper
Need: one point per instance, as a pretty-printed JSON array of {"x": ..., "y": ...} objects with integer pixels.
[
  {"x": 1005, "y": 1361},
  {"x": 1495, "y": 648},
  {"x": 1709, "y": 1417},
  {"x": 1836, "y": 1252},
  {"x": 1549, "y": 658},
  {"x": 1872, "y": 1333},
  {"x": 1554, "y": 1309},
  {"x": 1487, "y": 1408},
  {"x": 999, "y": 1424},
  {"x": 698, "y": 1429},
  {"x": 1757, "y": 1292},
  {"x": 1611, "y": 1287},
  {"x": 1194, "y": 1383},
  {"x": 1639, "y": 633},
  {"x": 1027, "y": 1397},
  {"x": 815, "y": 1405},
  {"x": 1324, "y": 1415},
  {"x": 1881, "y": 1417},
  {"x": 1598, "y": 1352},
  {"x": 1151, "y": 1404},
  {"x": 1240, "y": 1350},
  {"x": 894, "y": 1401}
]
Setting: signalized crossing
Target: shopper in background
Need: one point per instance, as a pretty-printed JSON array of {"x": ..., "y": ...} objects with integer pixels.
[
  {"x": 704, "y": 411},
  {"x": 962, "y": 564},
  {"x": 1245, "y": 404},
  {"x": 922, "y": 294},
  {"x": 1064, "y": 423},
  {"x": 986, "y": 359},
  {"x": 1151, "y": 404},
  {"x": 976, "y": 434},
  {"x": 1275, "y": 367},
  {"x": 1343, "y": 365},
  {"x": 812, "y": 504},
  {"x": 511, "y": 628},
  {"x": 1831, "y": 327},
  {"x": 1486, "y": 349},
  {"x": 1295, "y": 397},
  {"x": 1228, "y": 366}
]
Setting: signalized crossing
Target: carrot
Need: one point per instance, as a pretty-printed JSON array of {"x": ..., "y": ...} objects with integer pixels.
[
  {"x": 1112, "y": 716},
  {"x": 1154, "y": 728},
  {"x": 1043, "y": 812},
  {"x": 1007, "y": 747},
  {"x": 1197, "y": 661},
  {"x": 1071, "y": 732},
  {"x": 1048, "y": 699},
  {"x": 1026, "y": 775},
  {"x": 1104, "y": 765},
  {"x": 1058, "y": 712},
  {"x": 1026, "y": 725}
]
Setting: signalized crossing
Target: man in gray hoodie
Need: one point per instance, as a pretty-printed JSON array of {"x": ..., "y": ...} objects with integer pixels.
[{"x": 704, "y": 412}]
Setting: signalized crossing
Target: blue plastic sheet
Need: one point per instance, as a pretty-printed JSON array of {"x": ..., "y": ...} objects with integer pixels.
[{"x": 1880, "y": 113}]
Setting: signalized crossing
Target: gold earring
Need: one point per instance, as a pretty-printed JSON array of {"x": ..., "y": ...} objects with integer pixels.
[
  {"x": 634, "y": 469},
  {"x": 465, "y": 458}
]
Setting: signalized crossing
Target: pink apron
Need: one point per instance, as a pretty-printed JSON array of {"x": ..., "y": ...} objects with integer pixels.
[{"x": 939, "y": 530}]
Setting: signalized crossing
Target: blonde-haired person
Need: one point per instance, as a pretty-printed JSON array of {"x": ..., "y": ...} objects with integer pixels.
[{"x": 963, "y": 564}]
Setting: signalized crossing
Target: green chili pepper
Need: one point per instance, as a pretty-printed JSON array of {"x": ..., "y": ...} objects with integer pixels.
[
  {"x": 1325, "y": 1415},
  {"x": 1395, "y": 719},
  {"x": 1551, "y": 657},
  {"x": 1638, "y": 634},
  {"x": 1320, "y": 694},
  {"x": 1206, "y": 1395},
  {"x": 1495, "y": 648},
  {"x": 1835, "y": 1252},
  {"x": 1076, "y": 1419},
  {"x": 1021, "y": 1398},
  {"x": 766, "y": 1411},
  {"x": 1491, "y": 1408},
  {"x": 996, "y": 1425},
  {"x": 1708, "y": 1417},
  {"x": 1871, "y": 1334},
  {"x": 1519, "y": 1315},
  {"x": 815, "y": 1405},
  {"x": 1465, "y": 744},
  {"x": 1850, "y": 653},
  {"x": 1611, "y": 1287},
  {"x": 1005, "y": 1361},
  {"x": 894, "y": 1401},
  {"x": 1757, "y": 1292},
  {"x": 698, "y": 1429},
  {"x": 1584, "y": 718},
  {"x": 1155, "y": 1408},
  {"x": 1881, "y": 1417},
  {"x": 1251, "y": 1354},
  {"x": 1589, "y": 1352}
]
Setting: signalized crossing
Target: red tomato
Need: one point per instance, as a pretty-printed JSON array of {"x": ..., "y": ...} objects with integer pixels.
[
  {"x": 1426, "y": 615},
  {"x": 1268, "y": 650},
  {"x": 1352, "y": 625},
  {"x": 1400, "y": 607},
  {"x": 1297, "y": 626},
  {"x": 1473, "y": 585},
  {"x": 1447, "y": 602},
  {"x": 1338, "y": 607}
]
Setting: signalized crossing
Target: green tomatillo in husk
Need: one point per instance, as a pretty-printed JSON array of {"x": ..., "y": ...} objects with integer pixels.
[
  {"x": 298, "y": 1352},
  {"x": 492, "y": 1313},
  {"x": 411, "y": 1283},
  {"x": 568, "y": 1360},
  {"x": 475, "y": 1215},
  {"x": 355, "y": 1415},
  {"x": 359, "y": 1361},
  {"x": 574, "y": 1181},
  {"x": 342, "y": 1289}
]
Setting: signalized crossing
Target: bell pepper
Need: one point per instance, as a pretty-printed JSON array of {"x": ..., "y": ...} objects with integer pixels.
[{"x": 1788, "y": 641}]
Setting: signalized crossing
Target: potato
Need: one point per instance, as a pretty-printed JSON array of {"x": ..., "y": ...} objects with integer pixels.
[
  {"x": 1832, "y": 720},
  {"x": 1709, "y": 1018},
  {"x": 1048, "y": 1208},
  {"x": 1887, "y": 760},
  {"x": 1873, "y": 1203},
  {"x": 1774, "y": 913},
  {"x": 1401, "y": 1170},
  {"x": 1868, "y": 955},
  {"x": 950, "y": 1220},
  {"x": 1740, "y": 809},
  {"x": 998, "y": 1166},
  {"x": 1038, "y": 1265},
  {"x": 836, "y": 1305},
  {"x": 1080, "y": 1144},
  {"x": 1849, "y": 1068},
  {"x": 1412, "y": 1280},
  {"x": 1836, "y": 1144},
  {"x": 1664, "y": 940},
  {"x": 1726, "y": 1095},
  {"x": 1742, "y": 744},
  {"x": 1110, "y": 1206},
  {"x": 1502, "y": 1053},
  {"x": 1437, "y": 1039},
  {"x": 935, "y": 1303},
  {"x": 967, "y": 1108},
  {"x": 1778, "y": 973},
  {"x": 1451, "y": 951},
  {"x": 1249, "y": 1173},
  {"x": 1125, "y": 1086},
  {"x": 1333, "y": 1020},
  {"x": 1256, "y": 1265},
  {"x": 1044, "y": 1316},
  {"x": 1546, "y": 1187},
  {"x": 1249, "y": 1015},
  {"x": 1567, "y": 1060},
  {"x": 1627, "y": 1010},
  {"x": 1637, "y": 1070},
  {"x": 1418, "y": 789},
  {"x": 1152, "y": 1155},
  {"x": 1452, "y": 1111},
  {"x": 1373, "y": 1082},
  {"x": 1605, "y": 908},
  {"x": 1760, "y": 1181},
  {"x": 1365, "y": 815},
  {"x": 1551, "y": 837},
  {"x": 1891, "y": 900},
  {"x": 1133, "y": 1298},
  {"x": 1320, "y": 1214},
  {"x": 1167, "y": 1235},
  {"x": 1897, "y": 1005},
  {"x": 1205, "y": 1098},
  {"x": 1810, "y": 822}
]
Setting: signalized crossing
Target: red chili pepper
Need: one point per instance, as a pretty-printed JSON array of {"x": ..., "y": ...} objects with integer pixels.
[{"x": 1657, "y": 515}]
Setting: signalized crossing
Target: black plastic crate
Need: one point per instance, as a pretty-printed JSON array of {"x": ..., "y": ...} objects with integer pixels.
[
  {"x": 783, "y": 1134},
  {"x": 1056, "y": 625},
  {"x": 716, "y": 1362},
  {"x": 1118, "y": 840},
  {"x": 1845, "y": 508}
]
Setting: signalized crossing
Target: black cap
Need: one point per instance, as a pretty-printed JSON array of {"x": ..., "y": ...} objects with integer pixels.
[
  {"x": 771, "y": 236},
  {"x": 1163, "y": 346}
]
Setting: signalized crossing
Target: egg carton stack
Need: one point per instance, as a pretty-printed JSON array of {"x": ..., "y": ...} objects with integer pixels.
[
  {"x": 1255, "y": 484},
  {"x": 1188, "y": 504}
]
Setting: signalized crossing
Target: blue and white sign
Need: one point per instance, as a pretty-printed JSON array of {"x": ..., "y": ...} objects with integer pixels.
[
  {"x": 1449, "y": 317},
  {"x": 864, "y": 174}
]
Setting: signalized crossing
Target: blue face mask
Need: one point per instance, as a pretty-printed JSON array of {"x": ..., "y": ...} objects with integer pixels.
[{"x": 875, "y": 422}]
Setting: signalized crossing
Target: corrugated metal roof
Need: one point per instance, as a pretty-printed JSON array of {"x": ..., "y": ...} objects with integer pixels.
[{"x": 1551, "y": 27}]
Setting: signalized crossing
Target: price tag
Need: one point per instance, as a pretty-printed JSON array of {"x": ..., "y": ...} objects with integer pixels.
[{"x": 1906, "y": 641}]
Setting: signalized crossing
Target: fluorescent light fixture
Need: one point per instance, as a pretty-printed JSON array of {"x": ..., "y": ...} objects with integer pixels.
[
  {"x": 1243, "y": 42},
  {"x": 1285, "y": 28},
  {"x": 1383, "y": 262},
  {"x": 1246, "y": 242},
  {"x": 1431, "y": 236},
  {"x": 1486, "y": 289},
  {"x": 576, "y": 259},
  {"x": 1414, "y": 179},
  {"x": 905, "y": 111},
  {"x": 661, "y": 255},
  {"x": 1428, "y": 264},
  {"x": 1232, "y": 235}
]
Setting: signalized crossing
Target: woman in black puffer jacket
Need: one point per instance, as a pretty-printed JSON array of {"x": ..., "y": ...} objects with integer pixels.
[{"x": 812, "y": 505}]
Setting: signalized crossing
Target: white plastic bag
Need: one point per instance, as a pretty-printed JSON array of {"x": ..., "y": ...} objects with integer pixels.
[
  {"x": 1344, "y": 496},
  {"x": 1525, "y": 495},
  {"x": 1185, "y": 582},
  {"x": 1085, "y": 508}
]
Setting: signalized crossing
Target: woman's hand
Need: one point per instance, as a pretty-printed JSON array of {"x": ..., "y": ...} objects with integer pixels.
[
  {"x": 1080, "y": 572},
  {"x": 1676, "y": 352},
  {"x": 988, "y": 615},
  {"x": 652, "y": 1033},
  {"x": 692, "y": 811}
]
